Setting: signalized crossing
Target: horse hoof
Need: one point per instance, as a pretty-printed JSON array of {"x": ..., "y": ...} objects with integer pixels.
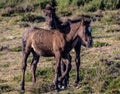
[
  {"x": 63, "y": 87},
  {"x": 22, "y": 88},
  {"x": 22, "y": 91},
  {"x": 76, "y": 81},
  {"x": 57, "y": 91}
]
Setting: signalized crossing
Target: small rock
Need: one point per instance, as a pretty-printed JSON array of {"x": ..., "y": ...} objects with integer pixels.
[{"x": 11, "y": 37}]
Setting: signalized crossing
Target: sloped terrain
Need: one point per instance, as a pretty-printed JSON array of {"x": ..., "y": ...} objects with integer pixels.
[{"x": 100, "y": 65}]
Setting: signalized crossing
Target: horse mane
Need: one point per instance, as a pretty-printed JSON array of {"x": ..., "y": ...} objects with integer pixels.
[
  {"x": 74, "y": 20},
  {"x": 85, "y": 19}
]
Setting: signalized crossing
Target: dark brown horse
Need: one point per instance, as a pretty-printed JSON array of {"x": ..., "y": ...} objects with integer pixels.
[
  {"x": 41, "y": 42},
  {"x": 55, "y": 23},
  {"x": 53, "y": 20}
]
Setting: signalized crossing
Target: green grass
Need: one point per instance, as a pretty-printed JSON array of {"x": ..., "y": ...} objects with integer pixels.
[
  {"x": 99, "y": 70},
  {"x": 117, "y": 38},
  {"x": 100, "y": 44},
  {"x": 45, "y": 73},
  {"x": 16, "y": 49},
  {"x": 5, "y": 88},
  {"x": 2, "y": 81}
]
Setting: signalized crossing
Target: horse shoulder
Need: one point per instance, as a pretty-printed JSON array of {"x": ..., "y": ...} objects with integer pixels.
[{"x": 58, "y": 41}]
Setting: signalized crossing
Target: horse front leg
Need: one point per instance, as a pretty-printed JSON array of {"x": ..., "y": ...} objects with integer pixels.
[
  {"x": 57, "y": 71},
  {"x": 67, "y": 68},
  {"x": 24, "y": 65},
  {"x": 66, "y": 80},
  {"x": 63, "y": 83},
  {"x": 77, "y": 61}
]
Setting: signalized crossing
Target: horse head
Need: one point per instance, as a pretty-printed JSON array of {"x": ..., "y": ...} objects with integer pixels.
[{"x": 86, "y": 32}]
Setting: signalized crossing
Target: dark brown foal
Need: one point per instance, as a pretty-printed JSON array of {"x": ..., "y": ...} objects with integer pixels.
[{"x": 55, "y": 23}]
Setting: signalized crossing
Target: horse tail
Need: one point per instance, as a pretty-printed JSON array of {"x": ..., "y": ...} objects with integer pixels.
[{"x": 23, "y": 44}]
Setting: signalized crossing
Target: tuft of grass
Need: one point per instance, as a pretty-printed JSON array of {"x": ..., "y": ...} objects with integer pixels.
[
  {"x": 86, "y": 90},
  {"x": 5, "y": 65},
  {"x": 43, "y": 87},
  {"x": 48, "y": 59},
  {"x": 114, "y": 70},
  {"x": 7, "y": 14},
  {"x": 23, "y": 24},
  {"x": 32, "y": 18},
  {"x": 45, "y": 73},
  {"x": 111, "y": 85},
  {"x": 82, "y": 74},
  {"x": 113, "y": 30},
  {"x": 17, "y": 78},
  {"x": 28, "y": 77},
  {"x": 66, "y": 13},
  {"x": 2, "y": 81},
  {"x": 115, "y": 84},
  {"x": 5, "y": 88},
  {"x": 96, "y": 64},
  {"x": 100, "y": 44},
  {"x": 107, "y": 19},
  {"x": 117, "y": 38},
  {"x": 16, "y": 49},
  {"x": 91, "y": 72},
  {"x": 92, "y": 6},
  {"x": 5, "y": 39}
]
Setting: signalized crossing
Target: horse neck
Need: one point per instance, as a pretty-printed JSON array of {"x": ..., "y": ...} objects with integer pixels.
[
  {"x": 56, "y": 21},
  {"x": 73, "y": 32}
]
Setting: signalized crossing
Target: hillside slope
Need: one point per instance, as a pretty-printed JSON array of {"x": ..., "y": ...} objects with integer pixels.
[{"x": 100, "y": 65}]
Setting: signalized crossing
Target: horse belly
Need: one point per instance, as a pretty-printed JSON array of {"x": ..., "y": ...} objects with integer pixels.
[
  {"x": 47, "y": 53},
  {"x": 43, "y": 49}
]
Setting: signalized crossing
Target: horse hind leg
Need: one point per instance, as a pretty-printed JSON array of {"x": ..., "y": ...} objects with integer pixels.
[
  {"x": 24, "y": 65},
  {"x": 26, "y": 49},
  {"x": 34, "y": 66}
]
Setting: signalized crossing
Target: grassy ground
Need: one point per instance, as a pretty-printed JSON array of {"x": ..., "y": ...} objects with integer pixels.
[{"x": 100, "y": 65}]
